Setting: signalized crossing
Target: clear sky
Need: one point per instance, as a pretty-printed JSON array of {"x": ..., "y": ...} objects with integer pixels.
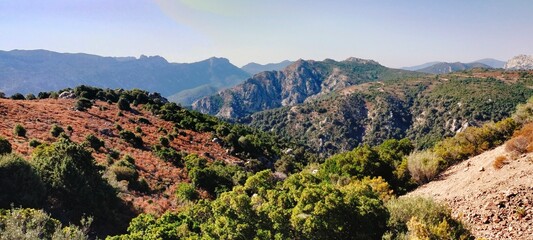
[{"x": 394, "y": 33}]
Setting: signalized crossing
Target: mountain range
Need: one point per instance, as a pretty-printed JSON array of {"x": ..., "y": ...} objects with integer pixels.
[
  {"x": 437, "y": 67},
  {"x": 335, "y": 106},
  {"x": 254, "y": 68},
  {"x": 33, "y": 71}
]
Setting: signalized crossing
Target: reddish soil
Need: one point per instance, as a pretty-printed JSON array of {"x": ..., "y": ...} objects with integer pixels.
[{"x": 37, "y": 117}]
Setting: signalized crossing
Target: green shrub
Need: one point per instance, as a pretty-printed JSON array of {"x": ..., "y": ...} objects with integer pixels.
[
  {"x": 70, "y": 129},
  {"x": 5, "y": 146},
  {"x": 186, "y": 192},
  {"x": 34, "y": 143},
  {"x": 123, "y": 104},
  {"x": 56, "y": 130},
  {"x": 17, "y": 96},
  {"x": 138, "y": 129},
  {"x": 94, "y": 142},
  {"x": 143, "y": 120},
  {"x": 423, "y": 166},
  {"x": 20, "y": 184},
  {"x": 168, "y": 154},
  {"x": 19, "y": 130},
  {"x": 82, "y": 104},
  {"x": 131, "y": 138},
  {"x": 164, "y": 141},
  {"x": 74, "y": 179},
  {"x": 30, "y": 96},
  {"x": 422, "y": 218},
  {"x": 26, "y": 223},
  {"x": 124, "y": 171}
]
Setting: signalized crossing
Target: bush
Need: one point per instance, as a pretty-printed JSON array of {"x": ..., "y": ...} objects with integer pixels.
[
  {"x": 25, "y": 223},
  {"x": 34, "y": 143},
  {"x": 164, "y": 141},
  {"x": 20, "y": 184},
  {"x": 168, "y": 154},
  {"x": 517, "y": 145},
  {"x": 56, "y": 130},
  {"x": 124, "y": 170},
  {"x": 143, "y": 120},
  {"x": 499, "y": 161},
  {"x": 186, "y": 192},
  {"x": 123, "y": 104},
  {"x": 5, "y": 146},
  {"x": 423, "y": 166},
  {"x": 83, "y": 104},
  {"x": 94, "y": 142},
  {"x": 422, "y": 218},
  {"x": 19, "y": 130},
  {"x": 30, "y": 96},
  {"x": 17, "y": 96},
  {"x": 131, "y": 138}
]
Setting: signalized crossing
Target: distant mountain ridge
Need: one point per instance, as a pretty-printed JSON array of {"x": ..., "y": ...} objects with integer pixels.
[
  {"x": 444, "y": 67},
  {"x": 254, "y": 68},
  {"x": 493, "y": 63},
  {"x": 302, "y": 80},
  {"x": 33, "y": 71}
]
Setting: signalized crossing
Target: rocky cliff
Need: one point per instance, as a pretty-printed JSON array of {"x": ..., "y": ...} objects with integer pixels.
[
  {"x": 293, "y": 85},
  {"x": 520, "y": 62}
]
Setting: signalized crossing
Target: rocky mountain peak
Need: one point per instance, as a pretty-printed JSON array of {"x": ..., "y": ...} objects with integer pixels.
[
  {"x": 361, "y": 61},
  {"x": 520, "y": 62}
]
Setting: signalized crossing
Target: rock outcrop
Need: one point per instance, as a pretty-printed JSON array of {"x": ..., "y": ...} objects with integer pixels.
[
  {"x": 520, "y": 62},
  {"x": 295, "y": 84}
]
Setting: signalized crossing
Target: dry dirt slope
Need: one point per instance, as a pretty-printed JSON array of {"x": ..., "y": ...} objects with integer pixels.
[{"x": 495, "y": 203}]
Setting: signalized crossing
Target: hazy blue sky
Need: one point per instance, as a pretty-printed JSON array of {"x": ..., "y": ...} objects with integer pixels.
[{"x": 395, "y": 33}]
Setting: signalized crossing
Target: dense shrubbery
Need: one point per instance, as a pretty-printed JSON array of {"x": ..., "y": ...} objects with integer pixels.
[
  {"x": 36, "y": 224},
  {"x": 73, "y": 178},
  {"x": 168, "y": 154},
  {"x": 20, "y": 183},
  {"x": 215, "y": 177}
]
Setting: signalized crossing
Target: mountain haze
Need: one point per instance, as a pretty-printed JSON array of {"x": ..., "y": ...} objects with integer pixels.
[
  {"x": 33, "y": 71},
  {"x": 254, "y": 68},
  {"x": 444, "y": 67}
]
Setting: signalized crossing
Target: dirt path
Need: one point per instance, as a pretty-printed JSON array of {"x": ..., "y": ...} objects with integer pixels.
[{"x": 495, "y": 203}]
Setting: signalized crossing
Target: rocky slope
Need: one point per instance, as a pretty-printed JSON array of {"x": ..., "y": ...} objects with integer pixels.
[
  {"x": 293, "y": 85},
  {"x": 423, "y": 109},
  {"x": 444, "y": 67},
  {"x": 520, "y": 62},
  {"x": 39, "y": 70},
  {"x": 495, "y": 203}
]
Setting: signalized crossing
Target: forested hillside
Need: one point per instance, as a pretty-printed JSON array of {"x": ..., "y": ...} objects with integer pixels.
[{"x": 424, "y": 110}]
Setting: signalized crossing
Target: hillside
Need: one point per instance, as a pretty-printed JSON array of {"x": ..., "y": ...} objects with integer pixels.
[
  {"x": 35, "y": 71},
  {"x": 444, "y": 67},
  {"x": 424, "y": 110},
  {"x": 495, "y": 203},
  {"x": 520, "y": 62},
  {"x": 38, "y": 116},
  {"x": 293, "y": 85},
  {"x": 254, "y": 68}
]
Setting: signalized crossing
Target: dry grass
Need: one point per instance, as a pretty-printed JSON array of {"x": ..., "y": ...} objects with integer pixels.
[
  {"x": 37, "y": 116},
  {"x": 499, "y": 162}
]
